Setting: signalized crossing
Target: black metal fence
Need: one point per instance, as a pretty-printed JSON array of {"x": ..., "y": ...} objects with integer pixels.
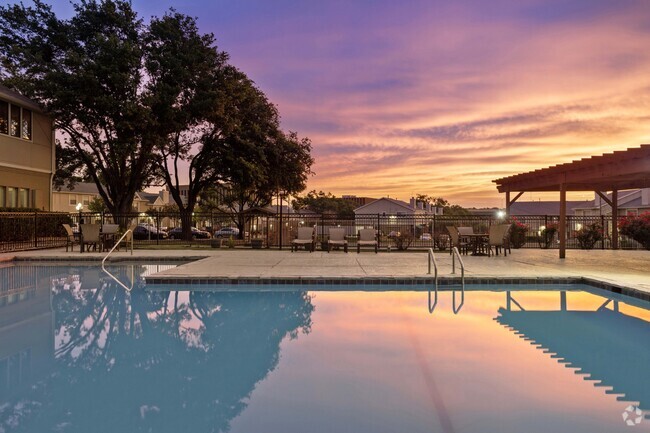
[{"x": 20, "y": 231}]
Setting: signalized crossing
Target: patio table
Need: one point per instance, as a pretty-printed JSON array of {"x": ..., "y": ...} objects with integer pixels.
[{"x": 478, "y": 242}]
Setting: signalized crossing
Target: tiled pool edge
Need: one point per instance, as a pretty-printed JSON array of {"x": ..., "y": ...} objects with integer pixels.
[{"x": 315, "y": 282}]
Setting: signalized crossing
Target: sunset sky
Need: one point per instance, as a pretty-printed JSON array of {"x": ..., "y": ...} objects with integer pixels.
[{"x": 440, "y": 97}]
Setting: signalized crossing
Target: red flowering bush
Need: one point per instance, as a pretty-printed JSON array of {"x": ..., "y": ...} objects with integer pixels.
[
  {"x": 637, "y": 228},
  {"x": 517, "y": 233},
  {"x": 588, "y": 235}
]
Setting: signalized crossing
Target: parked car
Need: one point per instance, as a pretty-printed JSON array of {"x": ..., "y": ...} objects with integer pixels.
[
  {"x": 226, "y": 232},
  {"x": 425, "y": 237},
  {"x": 177, "y": 233},
  {"x": 148, "y": 232}
]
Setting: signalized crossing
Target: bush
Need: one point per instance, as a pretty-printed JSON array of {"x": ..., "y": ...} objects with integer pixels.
[
  {"x": 637, "y": 228},
  {"x": 403, "y": 240},
  {"x": 547, "y": 235},
  {"x": 589, "y": 235},
  {"x": 517, "y": 233}
]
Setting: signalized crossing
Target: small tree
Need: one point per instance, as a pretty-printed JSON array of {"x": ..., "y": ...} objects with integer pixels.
[
  {"x": 321, "y": 202},
  {"x": 97, "y": 205}
]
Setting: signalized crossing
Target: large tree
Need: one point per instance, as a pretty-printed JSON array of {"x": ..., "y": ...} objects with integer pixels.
[
  {"x": 90, "y": 73},
  {"x": 321, "y": 202}
]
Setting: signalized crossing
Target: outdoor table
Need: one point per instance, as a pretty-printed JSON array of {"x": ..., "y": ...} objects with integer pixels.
[{"x": 478, "y": 242}]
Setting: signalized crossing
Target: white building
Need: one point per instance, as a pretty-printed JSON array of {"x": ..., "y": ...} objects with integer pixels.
[{"x": 389, "y": 206}]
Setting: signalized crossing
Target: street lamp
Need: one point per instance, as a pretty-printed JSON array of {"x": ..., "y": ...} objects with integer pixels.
[
  {"x": 80, "y": 207},
  {"x": 501, "y": 214}
]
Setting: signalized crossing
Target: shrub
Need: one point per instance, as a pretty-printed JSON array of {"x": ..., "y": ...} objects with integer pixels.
[
  {"x": 19, "y": 226},
  {"x": 588, "y": 235},
  {"x": 547, "y": 235},
  {"x": 403, "y": 240},
  {"x": 517, "y": 233},
  {"x": 637, "y": 228}
]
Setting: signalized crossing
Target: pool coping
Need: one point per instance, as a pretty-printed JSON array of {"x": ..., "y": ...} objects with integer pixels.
[{"x": 320, "y": 281}]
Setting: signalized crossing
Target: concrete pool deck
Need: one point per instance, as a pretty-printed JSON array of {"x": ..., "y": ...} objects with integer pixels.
[{"x": 629, "y": 269}]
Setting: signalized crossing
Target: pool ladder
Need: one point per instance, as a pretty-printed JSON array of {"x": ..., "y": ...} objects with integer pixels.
[
  {"x": 128, "y": 289},
  {"x": 433, "y": 264}
]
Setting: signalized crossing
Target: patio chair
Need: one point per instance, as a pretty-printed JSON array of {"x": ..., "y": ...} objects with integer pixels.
[
  {"x": 337, "y": 239},
  {"x": 465, "y": 231},
  {"x": 305, "y": 237},
  {"x": 70, "y": 240},
  {"x": 496, "y": 236},
  {"x": 90, "y": 236},
  {"x": 108, "y": 235},
  {"x": 506, "y": 238},
  {"x": 457, "y": 241},
  {"x": 367, "y": 238}
]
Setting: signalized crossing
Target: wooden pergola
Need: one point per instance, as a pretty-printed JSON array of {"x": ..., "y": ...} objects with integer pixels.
[{"x": 615, "y": 171}]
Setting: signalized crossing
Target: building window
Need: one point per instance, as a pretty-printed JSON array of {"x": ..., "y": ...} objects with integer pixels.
[
  {"x": 27, "y": 124},
  {"x": 86, "y": 201},
  {"x": 2, "y": 196},
  {"x": 15, "y": 121},
  {"x": 4, "y": 117},
  {"x": 73, "y": 200},
  {"x": 23, "y": 197},
  {"x": 11, "y": 197}
]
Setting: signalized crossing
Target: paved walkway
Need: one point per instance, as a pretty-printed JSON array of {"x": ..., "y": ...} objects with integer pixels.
[{"x": 624, "y": 268}]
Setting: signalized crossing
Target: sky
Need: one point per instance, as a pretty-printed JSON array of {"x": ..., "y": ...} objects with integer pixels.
[{"x": 439, "y": 97}]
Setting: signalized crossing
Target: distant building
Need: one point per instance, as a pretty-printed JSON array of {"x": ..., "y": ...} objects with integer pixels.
[
  {"x": 529, "y": 208},
  {"x": 358, "y": 201},
  {"x": 390, "y": 206},
  {"x": 27, "y": 146},
  {"x": 66, "y": 200},
  {"x": 632, "y": 202}
]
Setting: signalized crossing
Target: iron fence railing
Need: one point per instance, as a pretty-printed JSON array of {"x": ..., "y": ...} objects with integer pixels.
[{"x": 20, "y": 231}]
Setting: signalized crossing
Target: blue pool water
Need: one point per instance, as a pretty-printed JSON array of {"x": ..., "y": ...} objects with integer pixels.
[{"x": 78, "y": 353}]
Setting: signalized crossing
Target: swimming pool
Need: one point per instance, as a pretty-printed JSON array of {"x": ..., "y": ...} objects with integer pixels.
[{"x": 80, "y": 354}]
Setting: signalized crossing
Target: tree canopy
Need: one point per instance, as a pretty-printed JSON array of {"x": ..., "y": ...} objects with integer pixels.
[
  {"x": 323, "y": 203},
  {"x": 139, "y": 101}
]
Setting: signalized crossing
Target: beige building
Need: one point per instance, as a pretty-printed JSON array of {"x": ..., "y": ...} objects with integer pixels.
[
  {"x": 66, "y": 200},
  {"x": 27, "y": 162}
]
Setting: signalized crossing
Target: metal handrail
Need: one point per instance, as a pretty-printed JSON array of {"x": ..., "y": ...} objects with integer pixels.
[
  {"x": 462, "y": 265},
  {"x": 128, "y": 289},
  {"x": 432, "y": 259}
]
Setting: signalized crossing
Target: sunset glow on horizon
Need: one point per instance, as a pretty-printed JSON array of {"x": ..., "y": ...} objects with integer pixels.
[{"x": 437, "y": 97}]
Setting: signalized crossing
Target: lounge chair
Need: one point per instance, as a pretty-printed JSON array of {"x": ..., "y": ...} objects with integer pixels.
[
  {"x": 90, "y": 236},
  {"x": 70, "y": 240},
  {"x": 337, "y": 239},
  {"x": 367, "y": 238},
  {"x": 305, "y": 238},
  {"x": 497, "y": 234},
  {"x": 457, "y": 241}
]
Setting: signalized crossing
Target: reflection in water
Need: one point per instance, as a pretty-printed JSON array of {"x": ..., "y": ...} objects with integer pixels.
[
  {"x": 605, "y": 345},
  {"x": 80, "y": 354},
  {"x": 158, "y": 361}
]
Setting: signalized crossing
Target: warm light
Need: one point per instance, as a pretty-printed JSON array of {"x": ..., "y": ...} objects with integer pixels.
[
  {"x": 501, "y": 214},
  {"x": 578, "y": 226},
  {"x": 80, "y": 206}
]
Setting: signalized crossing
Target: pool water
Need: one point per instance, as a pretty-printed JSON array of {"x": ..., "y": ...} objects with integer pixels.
[{"x": 78, "y": 353}]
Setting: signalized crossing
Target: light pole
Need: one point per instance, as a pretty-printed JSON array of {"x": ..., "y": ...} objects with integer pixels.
[{"x": 80, "y": 207}]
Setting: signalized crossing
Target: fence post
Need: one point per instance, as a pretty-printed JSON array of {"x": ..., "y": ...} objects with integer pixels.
[
  {"x": 378, "y": 230},
  {"x": 602, "y": 225},
  {"x": 158, "y": 228},
  {"x": 35, "y": 229}
]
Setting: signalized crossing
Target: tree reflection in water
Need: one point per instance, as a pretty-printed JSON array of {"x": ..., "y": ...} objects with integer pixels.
[{"x": 160, "y": 361}]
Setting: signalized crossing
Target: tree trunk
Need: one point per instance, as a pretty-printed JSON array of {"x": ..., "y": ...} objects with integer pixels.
[{"x": 186, "y": 224}]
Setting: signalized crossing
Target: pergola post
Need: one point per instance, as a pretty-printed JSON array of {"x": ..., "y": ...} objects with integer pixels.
[
  {"x": 507, "y": 203},
  {"x": 562, "y": 228},
  {"x": 614, "y": 205}
]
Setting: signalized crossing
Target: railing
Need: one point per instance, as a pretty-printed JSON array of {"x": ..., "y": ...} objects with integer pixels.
[
  {"x": 432, "y": 260},
  {"x": 455, "y": 254},
  {"x": 28, "y": 230},
  {"x": 128, "y": 289}
]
